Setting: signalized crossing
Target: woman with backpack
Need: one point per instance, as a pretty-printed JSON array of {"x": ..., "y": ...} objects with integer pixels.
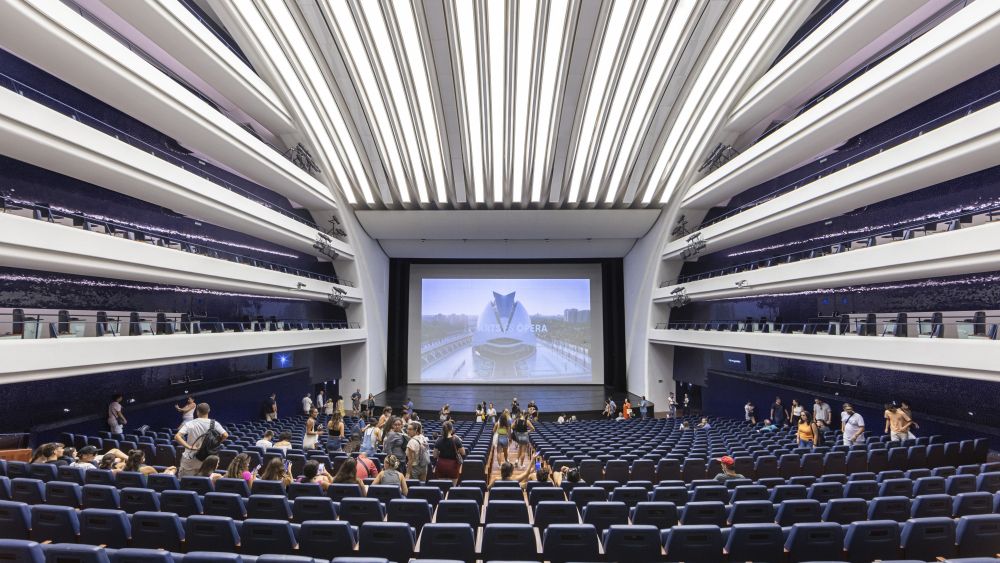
[
  {"x": 418, "y": 455},
  {"x": 522, "y": 429},
  {"x": 450, "y": 452}
]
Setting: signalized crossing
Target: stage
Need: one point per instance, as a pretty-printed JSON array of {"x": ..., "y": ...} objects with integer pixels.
[{"x": 551, "y": 399}]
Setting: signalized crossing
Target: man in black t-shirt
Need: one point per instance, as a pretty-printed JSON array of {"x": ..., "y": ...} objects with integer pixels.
[{"x": 779, "y": 416}]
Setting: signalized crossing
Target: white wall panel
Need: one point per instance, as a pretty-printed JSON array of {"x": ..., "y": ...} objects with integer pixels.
[{"x": 29, "y": 360}]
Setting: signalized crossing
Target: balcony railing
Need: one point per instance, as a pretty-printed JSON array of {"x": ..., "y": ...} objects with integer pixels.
[
  {"x": 980, "y": 327},
  {"x": 33, "y": 94},
  {"x": 36, "y": 325},
  {"x": 43, "y": 212},
  {"x": 908, "y": 135},
  {"x": 906, "y": 231}
]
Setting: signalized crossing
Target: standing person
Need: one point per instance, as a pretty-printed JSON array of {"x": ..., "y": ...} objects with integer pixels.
[
  {"x": 409, "y": 405},
  {"x": 187, "y": 409},
  {"x": 191, "y": 435},
  {"x": 748, "y": 415},
  {"x": 480, "y": 413},
  {"x": 311, "y": 437},
  {"x": 371, "y": 403},
  {"x": 116, "y": 418},
  {"x": 687, "y": 403},
  {"x": 450, "y": 452},
  {"x": 328, "y": 407},
  {"x": 607, "y": 408},
  {"x": 502, "y": 431},
  {"x": 807, "y": 433},
  {"x": 522, "y": 434},
  {"x": 612, "y": 407},
  {"x": 270, "y": 409},
  {"x": 491, "y": 414},
  {"x": 796, "y": 410},
  {"x": 821, "y": 412},
  {"x": 444, "y": 413},
  {"x": 779, "y": 416},
  {"x": 356, "y": 402},
  {"x": 515, "y": 407},
  {"x": 369, "y": 437},
  {"x": 307, "y": 404},
  {"x": 627, "y": 409},
  {"x": 418, "y": 453},
  {"x": 897, "y": 423},
  {"x": 672, "y": 406},
  {"x": 395, "y": 440},
  {"x": 386, "y": 415},
  {"x": 339, "y": 407},
  {"x": 852, "y": 424},
  {"x": 335, "y": 433},
  {"x": 905, "y": 407},
  {"x": 319, "y": 400},
  {"x": 643, "y": 407}
]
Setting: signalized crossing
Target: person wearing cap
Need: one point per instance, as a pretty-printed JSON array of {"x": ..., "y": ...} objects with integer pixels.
[
  {"x": 727, "y": 470},
  {"x": 85, "y": 458}
]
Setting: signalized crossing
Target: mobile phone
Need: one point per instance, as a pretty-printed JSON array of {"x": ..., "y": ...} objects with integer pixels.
[
  {"x": 538, "y": 465},
  {"x": 256, "y": 469}
]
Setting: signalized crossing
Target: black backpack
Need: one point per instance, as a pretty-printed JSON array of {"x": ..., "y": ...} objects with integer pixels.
[{"x": 211, "y": 443}]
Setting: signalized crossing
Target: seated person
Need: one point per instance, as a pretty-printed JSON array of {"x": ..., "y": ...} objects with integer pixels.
[
  {"x": 685, "y": 425},
  {"x": 277, "y": 470},
  {"x": 208, "y": 468},
  {"x": 266, "y": 442},
  {"x": 284, "y": 441},
  {"x": 768, "y": 426},
  {"x": 348, "y": 473},
  {"x": 390, "y": 474},
  {"x": 315, "y": 472},
  {"x": 704, "y": 425},
  {"x": 239, "y": 468},
  {"x": 50, "y": 453},
  {"x": 727, "y": 470},
  {"x": 85, "y": 458},
  {"x": 136, "y": 461}
]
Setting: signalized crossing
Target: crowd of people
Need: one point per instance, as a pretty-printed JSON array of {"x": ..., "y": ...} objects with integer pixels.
[{"x": 813, "y": 428}]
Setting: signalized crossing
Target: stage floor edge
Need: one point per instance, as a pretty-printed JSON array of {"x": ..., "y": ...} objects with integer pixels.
[{"x": 464, "y": 398}]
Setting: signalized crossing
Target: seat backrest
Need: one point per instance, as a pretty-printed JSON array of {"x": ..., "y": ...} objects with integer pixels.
[
  {"x": 327, "y": 539},
  {"x": 570, "y": 542},
  {"x": 100, "y": 526},
  {"x": 663, "y": 515},
  {"x": 182, "y": 503},
  {"x": 872, "y": 540},
  {"x": 157, "y": 530},
  {"x": 393, "y": 540},
  {"x": 57, "y": 524},
  {"x": 269, "y": 507},
  {"x": 63, "y": 494},
  {"x": 934, "y": 505},
  {"x": 506, "y": 512},
  {"x": 357, "y": 510},
  {"x": 259, "y": 536},
  {"x": 15, "y": 519},
  {"x": 966, "y": 504},
  {"x": 448, "y": 541},
  {"x": 845, "y": 510},
  {"x": 550, "y": 512},
  {"x": 928, "y": 538},
  {"x": 751, "y": 512},
  {"x": 703, "y": 513},
  {"x": 815, "y": 541},
  {"x": 101, "y": 496},
  {"x": 458, "y": 512},
  {"x": 27, "y": 490},
  {"x": 415, "y": 512},
  {"x": 693, "y": 543},
  {"x": 509, "y": 541},
  {"x": 632, "y": 543},
  {"x": 755, "y": 542},
  {"x": 314, "y": 508},
  {"x": 225, "y": 504},
  {"x": 211, "y": 533},
  {"x": 798, "y": 510},
  {"x": 978, "y": 535},
  {"x": 21, "y": 551}
]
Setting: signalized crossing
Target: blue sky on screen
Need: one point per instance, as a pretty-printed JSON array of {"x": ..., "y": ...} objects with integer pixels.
[{"x": 446, "y": 296}]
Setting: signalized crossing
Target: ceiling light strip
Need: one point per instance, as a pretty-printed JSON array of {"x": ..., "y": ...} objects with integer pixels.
[
  {"x": 615, "y": 32},
  {"x": 632, "y": 76},
  {"x": 496, "y": 40},
  {"x": 661, "y": 69},
  {"x": 465, "y": 24},
  {"x": 357, "y": 60},
  {"x": 524, "y": 80},
  {"x": 417, "y": 63},
  {"x": 556, "y": 32},
  {"x": 392, "y": 80}
]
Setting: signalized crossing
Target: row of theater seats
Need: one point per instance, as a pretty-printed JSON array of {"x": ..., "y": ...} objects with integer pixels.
[{"x": 920, "y": 539}]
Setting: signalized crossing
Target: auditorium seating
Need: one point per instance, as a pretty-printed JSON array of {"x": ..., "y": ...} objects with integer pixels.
[{"x": 846, "y": 516}]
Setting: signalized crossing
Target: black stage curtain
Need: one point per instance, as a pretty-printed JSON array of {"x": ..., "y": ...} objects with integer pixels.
[{"x": 398, "y": 337}]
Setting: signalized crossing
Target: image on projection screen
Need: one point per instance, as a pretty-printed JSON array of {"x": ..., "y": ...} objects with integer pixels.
[{"x": 505, "y": 331}]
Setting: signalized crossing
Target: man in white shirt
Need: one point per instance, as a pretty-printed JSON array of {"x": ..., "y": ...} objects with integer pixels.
[
  {"x": 116, "y": 420},
  {"x": 85, "y": 458},
  {"x": 190, "y": 437},
  {"x": 852, "y": 425},
  {"x": 821, "y": 411},
  {"x": 307, "y": 404},
  {"x": 672, "y": 406},
  {"x": 319, "y": 400},
  {"x": 266, "y": 441}
]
